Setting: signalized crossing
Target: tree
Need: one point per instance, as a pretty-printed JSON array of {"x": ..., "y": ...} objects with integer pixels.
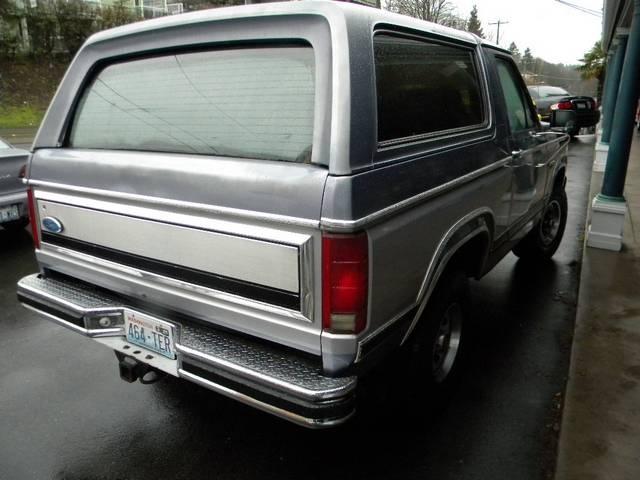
[
  {"x": 436, "y": 11},
  {"x": 473, "y": 24},
  {"x": 41, "y": 21},
  {"x": 527, "y": 60},
  {"x": 116, "y": 14},
  {"x": 76, "y": 20},
  {"x": 513, "y": 48},
  {"x": 593, "y": 65}
]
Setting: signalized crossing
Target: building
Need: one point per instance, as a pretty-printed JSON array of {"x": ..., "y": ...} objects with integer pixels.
[{"x": 621, "y": 41}]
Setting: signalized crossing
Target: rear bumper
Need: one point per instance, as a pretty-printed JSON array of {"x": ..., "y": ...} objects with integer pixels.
[
  {"x": 271, "y": 378},
  {"x": 587, "y": 118}
]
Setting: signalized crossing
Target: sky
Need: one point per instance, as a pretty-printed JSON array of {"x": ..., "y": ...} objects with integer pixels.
[{"x": 553, "y": 31}]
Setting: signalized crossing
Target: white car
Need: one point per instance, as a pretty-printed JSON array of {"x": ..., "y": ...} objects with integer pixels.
[{"x": 14, "y": 212}]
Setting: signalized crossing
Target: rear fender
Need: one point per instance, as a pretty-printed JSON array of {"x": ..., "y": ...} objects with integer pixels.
[{"x": 471, "y": 234}]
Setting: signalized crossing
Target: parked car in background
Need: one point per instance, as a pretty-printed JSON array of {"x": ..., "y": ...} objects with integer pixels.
[
  {"x": 268, "y": 200},
  {"x": 14, "y": 212},
  {"x": 549, "y": 99}
]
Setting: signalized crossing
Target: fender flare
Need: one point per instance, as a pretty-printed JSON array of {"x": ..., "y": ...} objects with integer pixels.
[{"x": 473, "y": 225}]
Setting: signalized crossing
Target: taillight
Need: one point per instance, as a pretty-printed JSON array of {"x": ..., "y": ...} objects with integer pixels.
[
  {"x": 33, "y": 218},
  {"x": 562, "y": 106},
  {"x": 345, "y": 278},
  {"x": 23, "y": 171}
]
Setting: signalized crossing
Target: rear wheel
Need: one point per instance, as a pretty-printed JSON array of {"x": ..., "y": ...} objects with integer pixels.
[
  {"x": 543, "y": 241},
  {"x": 438, "y": 344}
]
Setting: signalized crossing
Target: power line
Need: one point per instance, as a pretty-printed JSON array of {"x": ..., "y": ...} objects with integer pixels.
[
  {"x": 589, "y": 11},
  {"x": 498, "y": 23}
]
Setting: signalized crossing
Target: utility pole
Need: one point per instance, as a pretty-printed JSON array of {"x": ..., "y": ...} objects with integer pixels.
[{"x": 498, "y": 23}]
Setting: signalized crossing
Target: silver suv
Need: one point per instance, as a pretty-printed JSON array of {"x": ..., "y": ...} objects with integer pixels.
[{"x": 266, "y": 200}]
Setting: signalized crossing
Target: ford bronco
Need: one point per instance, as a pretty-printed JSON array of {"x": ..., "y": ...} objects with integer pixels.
[{"x": 266, "y": 200}]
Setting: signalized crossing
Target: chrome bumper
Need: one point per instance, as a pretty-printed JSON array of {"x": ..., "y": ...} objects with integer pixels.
[{"x": 271, "y": 378}]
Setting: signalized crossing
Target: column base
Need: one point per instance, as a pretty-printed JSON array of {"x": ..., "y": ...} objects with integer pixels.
[
  {"x": 600, "y": 160},
  {"x": 607, "y": 222}
]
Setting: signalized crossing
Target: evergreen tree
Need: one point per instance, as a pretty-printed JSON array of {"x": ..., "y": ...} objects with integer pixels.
[
  {"x": 527, "y": 60},
  {"x": 473, "y": 24}
]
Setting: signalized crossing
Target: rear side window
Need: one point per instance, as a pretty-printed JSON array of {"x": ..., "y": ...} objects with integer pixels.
[
  {"x": 424, "y": 87},
  {"x": 243, "y": 102}
]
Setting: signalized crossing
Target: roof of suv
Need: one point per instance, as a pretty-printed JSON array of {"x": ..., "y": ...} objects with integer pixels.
[{"x": 334, "y": 11}]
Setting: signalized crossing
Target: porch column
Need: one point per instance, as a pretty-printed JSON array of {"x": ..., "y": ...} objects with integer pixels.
[
  {"x": 609, "y": 207},
  {"x": 612, "y": 83}
]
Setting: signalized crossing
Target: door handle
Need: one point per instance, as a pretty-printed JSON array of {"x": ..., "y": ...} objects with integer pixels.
[{"x": 516, "y": 153}]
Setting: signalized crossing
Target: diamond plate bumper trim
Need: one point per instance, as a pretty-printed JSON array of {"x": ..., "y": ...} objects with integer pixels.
[{"x": 268, "y": 370}]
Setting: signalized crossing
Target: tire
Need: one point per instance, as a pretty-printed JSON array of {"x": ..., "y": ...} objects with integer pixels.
[
  {"x": 438, "y": 344},
  {"x": 544, "y": 239},
  {"x": 16, "y": 226}
]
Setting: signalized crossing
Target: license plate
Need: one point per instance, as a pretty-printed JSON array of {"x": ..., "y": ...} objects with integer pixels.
[
  {"x": 10, "y": 213},
  {"x": 581, "y": 106},
  {"x": 149, "y": 332}
]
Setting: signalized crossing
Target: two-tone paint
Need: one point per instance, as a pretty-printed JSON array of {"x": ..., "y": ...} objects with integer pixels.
[{"x": 132, "y": 218}]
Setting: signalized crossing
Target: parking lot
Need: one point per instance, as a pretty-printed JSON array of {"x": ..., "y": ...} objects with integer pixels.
[{"x": 65, "y": 414}]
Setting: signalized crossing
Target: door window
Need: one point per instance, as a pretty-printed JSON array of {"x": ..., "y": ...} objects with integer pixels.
[{"x": 518, "y": 111}]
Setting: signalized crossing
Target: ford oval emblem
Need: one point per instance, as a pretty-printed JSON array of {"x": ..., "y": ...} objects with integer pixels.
[{"x": 52, "y": 225}]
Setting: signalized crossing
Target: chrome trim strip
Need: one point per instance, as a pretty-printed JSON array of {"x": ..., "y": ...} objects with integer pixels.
[
  {"x": 176, "y": 217},
  {"x": 19, "y": 197},
  {"x": 379, "y": 331},
  {"x": 267, "y": 381},
  {"x": 234, "y": 212},
  {"x": 349, "y": 225},
  {"x": 265, "y": 407}
]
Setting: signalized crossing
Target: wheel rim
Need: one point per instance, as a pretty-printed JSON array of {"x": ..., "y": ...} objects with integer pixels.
[
  {"x": 550, "y": 224},
  {"x": 447, "y": 342}
]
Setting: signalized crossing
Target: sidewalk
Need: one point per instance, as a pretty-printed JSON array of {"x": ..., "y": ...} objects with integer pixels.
[{"x": 600, "y": 435}]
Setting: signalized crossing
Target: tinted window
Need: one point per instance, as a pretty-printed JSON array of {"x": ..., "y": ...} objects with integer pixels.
[
  {"x": 424, "y": 87},
  {"x": 518, "y": 111},
  {"x": 249, "y": 102}
]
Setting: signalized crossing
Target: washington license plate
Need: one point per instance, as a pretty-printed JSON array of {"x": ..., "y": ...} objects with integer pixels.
[
  {"x": 7, "y": 214},
  {"x": 150, "y": 333}
]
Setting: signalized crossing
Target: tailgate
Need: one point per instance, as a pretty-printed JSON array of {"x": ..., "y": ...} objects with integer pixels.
[{"x": 232, "y": 242}]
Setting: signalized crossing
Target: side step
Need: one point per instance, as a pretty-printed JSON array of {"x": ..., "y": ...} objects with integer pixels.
[{"x": 272, "y": 378}]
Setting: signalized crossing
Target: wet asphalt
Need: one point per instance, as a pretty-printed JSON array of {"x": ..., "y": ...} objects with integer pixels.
[{"x": 65, "y": 414}]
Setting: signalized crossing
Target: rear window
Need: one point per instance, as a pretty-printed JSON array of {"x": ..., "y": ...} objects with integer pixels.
[
  {"x": 552, "y": 92},
  {"x": 243, "y": 102},
  {"x": 424, "y": 87}
]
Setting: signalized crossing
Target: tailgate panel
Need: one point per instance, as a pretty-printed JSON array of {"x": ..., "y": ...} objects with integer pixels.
[{"x": 264, "y": 263}]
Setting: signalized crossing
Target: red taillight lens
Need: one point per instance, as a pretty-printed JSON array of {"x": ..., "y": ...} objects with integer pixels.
[
  {"x": 33, "y": 218},
  {"x": 345, "y": 279},
  {"x": 562, "y": 106}
]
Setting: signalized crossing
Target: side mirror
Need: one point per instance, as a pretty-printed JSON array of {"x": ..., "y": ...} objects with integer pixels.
[{"x": 563, "y": 120}]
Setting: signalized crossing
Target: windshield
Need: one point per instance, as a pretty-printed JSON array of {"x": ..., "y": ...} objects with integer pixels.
[
  {"x": 552, "y": 92},
  {"x": 242, "y": 102}
]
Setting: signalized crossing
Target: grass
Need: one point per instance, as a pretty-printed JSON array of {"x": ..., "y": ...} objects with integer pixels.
[{"x": 20, "y": 117}]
